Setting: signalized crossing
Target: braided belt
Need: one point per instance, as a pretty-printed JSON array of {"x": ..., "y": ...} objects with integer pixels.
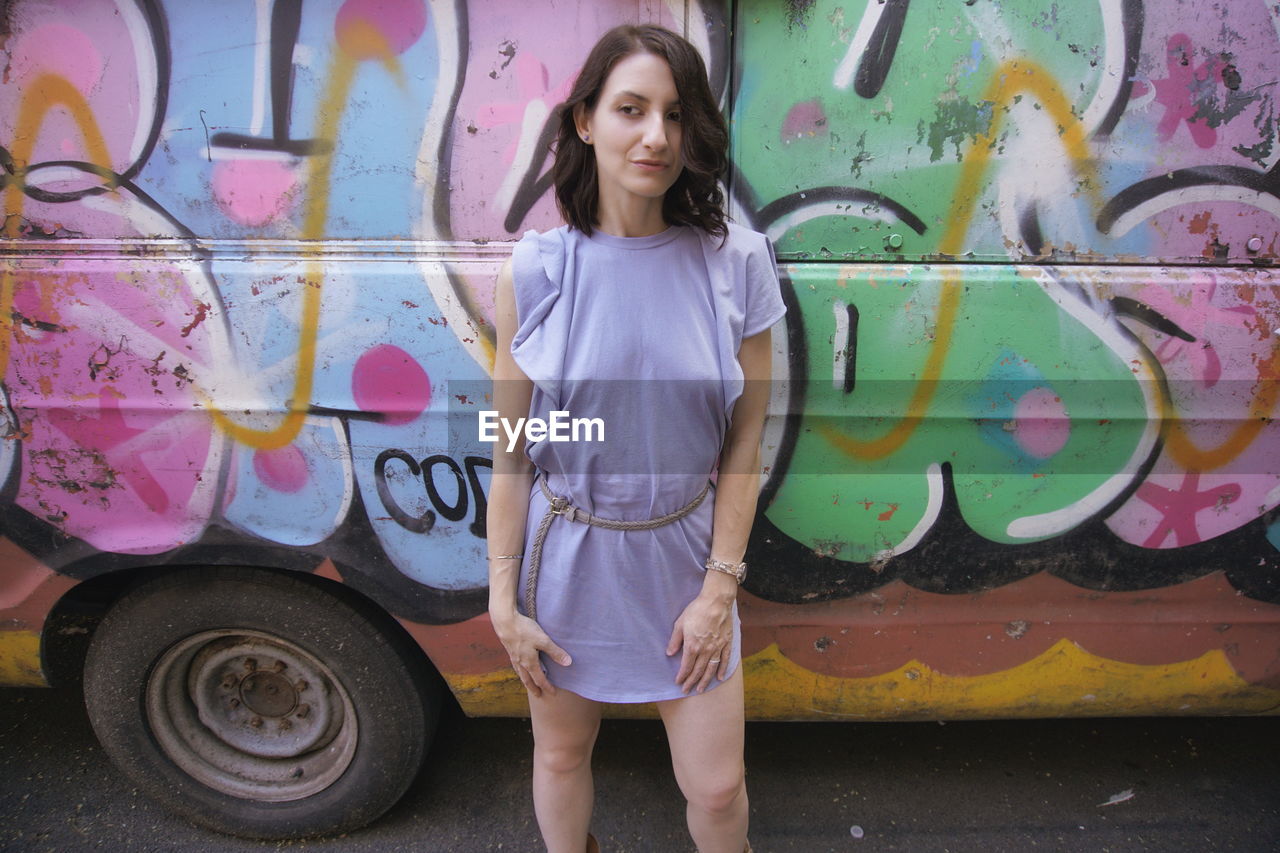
[{"x": 561, "y": 506}]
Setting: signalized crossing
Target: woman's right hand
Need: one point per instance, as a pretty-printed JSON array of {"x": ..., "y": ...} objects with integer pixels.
[{"x": 523, "y": 638}]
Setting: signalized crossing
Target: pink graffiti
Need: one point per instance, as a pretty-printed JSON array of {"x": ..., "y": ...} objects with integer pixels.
[
  {"x": 387, "y": 379},
  {"x": 806, "y": 118},
  {"x": 533, "y": 83},
  {"x": 400, "y": 22},
  {"x": 253, "y": 192},
  {"x": 1041, "y": 425},
  {"x": 284, "y": 470},
  {"x": 59, "y": 49},
  {"x": 92, "y": 47},
  {"x": 122, "y": 444},
  {"x": 1176, "y": 91},
  {"x": 1178, "y": 508},
  {"x": 101, "y": 397},
  {"x": 1195, "y": 313}
]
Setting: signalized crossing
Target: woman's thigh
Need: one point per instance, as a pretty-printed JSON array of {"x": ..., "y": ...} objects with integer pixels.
[
  {"x": 564, "y": 727},
  {"x": 705, "y": 732}
]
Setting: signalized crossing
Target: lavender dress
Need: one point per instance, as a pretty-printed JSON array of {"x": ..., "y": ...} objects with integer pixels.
[{"x": 643, "y": 333}]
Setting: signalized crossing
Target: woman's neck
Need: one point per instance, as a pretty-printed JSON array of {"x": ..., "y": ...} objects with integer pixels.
[{"x": 640, "y": 218}]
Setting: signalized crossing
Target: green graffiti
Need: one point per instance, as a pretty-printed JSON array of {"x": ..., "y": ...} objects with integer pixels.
[
  {"x": 1037, "y": 406},
  {"x": 904, "y": 144}
]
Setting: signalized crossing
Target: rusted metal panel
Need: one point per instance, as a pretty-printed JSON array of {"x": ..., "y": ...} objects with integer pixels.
[{"x": 1141, "y": 131}]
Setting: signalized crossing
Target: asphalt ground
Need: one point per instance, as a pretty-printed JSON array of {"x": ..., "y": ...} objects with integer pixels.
[{"x": 1183, "y": 784}]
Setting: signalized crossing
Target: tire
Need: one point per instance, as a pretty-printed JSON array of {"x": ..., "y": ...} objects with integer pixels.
[{"x": 259, "y": 704}]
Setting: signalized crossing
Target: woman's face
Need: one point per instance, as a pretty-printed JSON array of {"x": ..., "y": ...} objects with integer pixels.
[{"x": 635, "y": 131}]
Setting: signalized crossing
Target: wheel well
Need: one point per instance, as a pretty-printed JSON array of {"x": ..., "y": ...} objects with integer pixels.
[{"x": 71, "y": 623}]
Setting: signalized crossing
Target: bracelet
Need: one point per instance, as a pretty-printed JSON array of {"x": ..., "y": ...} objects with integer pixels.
[
  {"x": 506, "y": 556},
  {"x": 738, "y": 570}
]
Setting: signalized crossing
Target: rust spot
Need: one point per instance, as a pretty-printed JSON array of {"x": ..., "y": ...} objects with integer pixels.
[
  {"x": 101, "y": 359},
  {"x": 827, "y": 547},
  {"x": 1017, "y": 628},
  {"x": 202, "y": 311},
  {"x": 1231, "y": 77}
]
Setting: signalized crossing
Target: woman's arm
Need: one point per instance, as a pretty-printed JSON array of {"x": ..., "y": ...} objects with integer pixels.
[
  {"x": 705, "y": 628},
  {"x": 508, "y": 508}
]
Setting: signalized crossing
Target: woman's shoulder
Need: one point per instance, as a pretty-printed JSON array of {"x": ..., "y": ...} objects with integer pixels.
[
  {"x": 551, "y": 237},
  {"x": 538, "y": 262},
  {"x": 739, "y": 241}
]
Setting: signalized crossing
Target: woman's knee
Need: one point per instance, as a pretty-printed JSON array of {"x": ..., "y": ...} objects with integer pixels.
[
  {"x": 562, "y": 758},
  {"x": 717, "y": 794}
]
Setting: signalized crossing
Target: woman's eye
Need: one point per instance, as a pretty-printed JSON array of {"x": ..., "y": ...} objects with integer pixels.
[
  {"x": 674, "y": 116},
  {"x": 629, "y": 109}
]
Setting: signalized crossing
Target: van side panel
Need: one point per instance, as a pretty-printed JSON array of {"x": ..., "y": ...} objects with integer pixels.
[{"x": 1021, "y": 458}]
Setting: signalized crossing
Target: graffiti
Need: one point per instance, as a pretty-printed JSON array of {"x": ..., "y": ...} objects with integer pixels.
[
  {"x": 248, "y": 292},
  {"x": 468, "y": 490}
]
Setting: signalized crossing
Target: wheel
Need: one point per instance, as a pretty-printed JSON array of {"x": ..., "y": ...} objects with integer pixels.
[{"x": 259, "y": 704}]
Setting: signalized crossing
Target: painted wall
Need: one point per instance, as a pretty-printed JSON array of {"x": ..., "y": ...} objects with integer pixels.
[{"x": 1022, "y": 457}]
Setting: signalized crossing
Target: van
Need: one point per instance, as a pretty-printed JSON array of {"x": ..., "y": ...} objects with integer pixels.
[{"x": 1021, "y": 458}]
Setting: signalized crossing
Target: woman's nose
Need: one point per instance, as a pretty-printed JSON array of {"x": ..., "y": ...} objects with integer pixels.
[{"x": 655, "y": 131}]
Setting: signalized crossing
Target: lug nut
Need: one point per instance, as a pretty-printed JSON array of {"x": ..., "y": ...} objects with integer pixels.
[
  {"x": 234, "y": 703},
  {"x": 285, "y": 725},
  {"x": 228, "y": 681},
  {"x": 301, "y": 685},
  {"x": 250, "y": 664},
  {"x": 303, "y": 710},
  {"x": 256, "y": 722},
  {"x": 278, "y": 666}
]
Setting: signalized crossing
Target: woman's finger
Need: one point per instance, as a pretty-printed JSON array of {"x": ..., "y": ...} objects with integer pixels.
[
  {"x": 527, "y": 682},
  {"x": 697, "y": 666},
  {"x": 540, "y": 677},
  {"x": 708, "y": 671},
  {"x": 686, "y": 666},
  {"x": 723, "y": 669},
  {"x": 554, "y": 652}
]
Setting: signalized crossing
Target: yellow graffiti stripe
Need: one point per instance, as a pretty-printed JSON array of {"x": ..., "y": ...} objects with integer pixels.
[
  {"x": 20, "y": 659},
  {"x": 1192, "y": 458},
  {"x": 368, "y": 41},
  {"x": 1065, "y": 680},
  {"x": 45, "y": 93},
  {"x": 1011, "y": 80}
]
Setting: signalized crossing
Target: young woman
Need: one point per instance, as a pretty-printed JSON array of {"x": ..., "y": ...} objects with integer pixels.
[{"x": 614, "y": 563}]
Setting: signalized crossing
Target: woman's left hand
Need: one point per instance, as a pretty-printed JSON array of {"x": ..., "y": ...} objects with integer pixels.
[{"x": 705, "y": 630}]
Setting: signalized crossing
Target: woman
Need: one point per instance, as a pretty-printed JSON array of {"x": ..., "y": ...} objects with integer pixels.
[{"x": 615, "y": 563}]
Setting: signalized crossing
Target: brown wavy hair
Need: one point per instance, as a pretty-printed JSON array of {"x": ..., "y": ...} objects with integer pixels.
[{"x": 695, "y": 198}]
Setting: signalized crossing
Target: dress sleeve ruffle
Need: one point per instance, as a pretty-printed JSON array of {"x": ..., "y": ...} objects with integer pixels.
[
  {"x": 747, "y": 296},
  {"x": 539, "y": 269}
]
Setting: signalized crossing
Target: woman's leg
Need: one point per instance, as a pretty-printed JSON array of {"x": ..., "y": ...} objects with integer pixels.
[
  {"x": 564, "y": 731},
  {"x": 705, "y": 731}
]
